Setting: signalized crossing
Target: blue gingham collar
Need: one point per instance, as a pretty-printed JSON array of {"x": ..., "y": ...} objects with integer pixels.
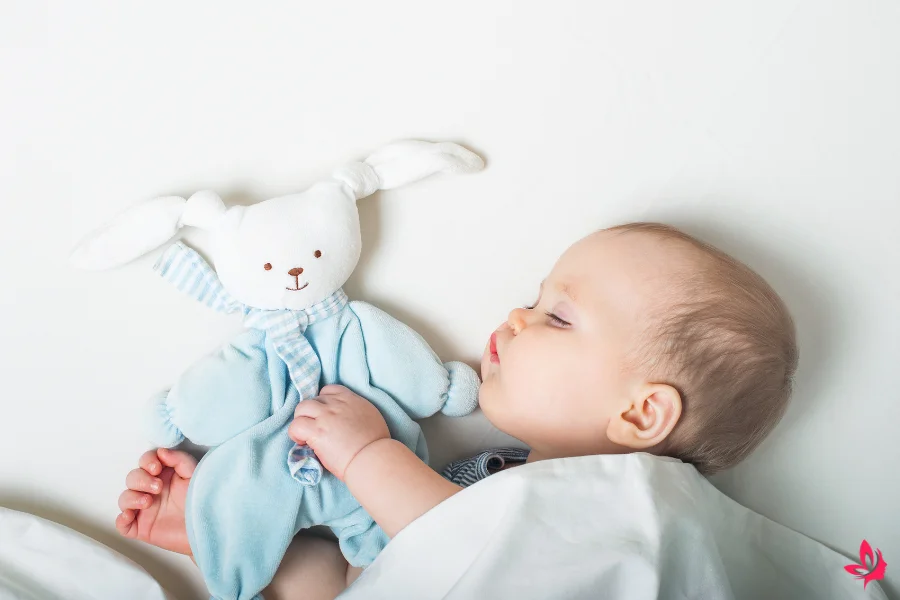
[
  {"x": 285, "y": 321},
  {"x": 184, "y": 268}
]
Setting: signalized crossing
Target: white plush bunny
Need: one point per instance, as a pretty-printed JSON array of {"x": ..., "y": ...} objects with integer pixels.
[{"x": 281, "y": 263}]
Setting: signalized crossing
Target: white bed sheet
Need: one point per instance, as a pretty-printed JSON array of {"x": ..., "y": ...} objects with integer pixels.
[
  {"x": 42, "y": 560},
  {"x": 628, "y": 527}
]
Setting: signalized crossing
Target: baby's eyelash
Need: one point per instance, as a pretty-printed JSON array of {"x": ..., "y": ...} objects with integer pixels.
[
  {"x": 557, "y": 321},
  {"x": 533, "y": 305}
]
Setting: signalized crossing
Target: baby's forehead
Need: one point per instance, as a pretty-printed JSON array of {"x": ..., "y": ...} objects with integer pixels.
[
  {"x": 625, "y": 271},
  {"x": 638, "y": 254}
]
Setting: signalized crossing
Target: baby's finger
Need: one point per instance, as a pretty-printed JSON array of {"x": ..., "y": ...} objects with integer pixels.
[
  {"x": 181, "y": 461},
  {"x": 332, "y": 390},
  {"x": 125, "y": 522},
  {"x": 311, "y": 408},
  {"x": 136, "y": 500},
  {"x": 142, "y": 481},
  {"x": 150, "y": 463},
  {"x": 303, "y": 430}
]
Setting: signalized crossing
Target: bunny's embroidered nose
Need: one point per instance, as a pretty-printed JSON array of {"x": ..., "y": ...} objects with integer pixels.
[{"x": 295, "y": 272}]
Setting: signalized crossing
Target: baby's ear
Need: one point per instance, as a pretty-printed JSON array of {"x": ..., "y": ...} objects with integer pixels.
[
  {"x": 647, "y": 419},
  {"x": 145, "y": 227}
]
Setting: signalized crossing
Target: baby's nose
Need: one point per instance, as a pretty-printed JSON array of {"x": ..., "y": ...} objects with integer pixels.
[
  {"x": 295, "y": 272},
  {"x": 516, "y": 320}
]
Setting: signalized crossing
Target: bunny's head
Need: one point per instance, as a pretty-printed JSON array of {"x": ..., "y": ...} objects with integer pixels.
[{"x": 287, "y": 252}]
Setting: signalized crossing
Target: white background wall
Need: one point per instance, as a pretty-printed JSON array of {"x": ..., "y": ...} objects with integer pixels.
[{"x": 770, "y": 128}]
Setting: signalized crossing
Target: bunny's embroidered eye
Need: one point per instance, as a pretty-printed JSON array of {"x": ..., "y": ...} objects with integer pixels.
[
  {"x": 317, "y": 254},
  {"x": 267, "y": 266}
]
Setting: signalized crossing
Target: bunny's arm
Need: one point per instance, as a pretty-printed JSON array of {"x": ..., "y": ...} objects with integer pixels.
[
  {"x": 403, "y": 364},
  {"x": 219, "y": 396}
]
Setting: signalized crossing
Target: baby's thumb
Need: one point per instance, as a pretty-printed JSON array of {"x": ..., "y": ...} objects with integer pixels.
[{"x": 183, "y": 463}]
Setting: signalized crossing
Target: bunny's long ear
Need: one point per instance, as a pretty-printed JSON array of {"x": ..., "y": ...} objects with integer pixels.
[
  {"x": 145, "y": 227},
  {"x": 404, "y": 162}
]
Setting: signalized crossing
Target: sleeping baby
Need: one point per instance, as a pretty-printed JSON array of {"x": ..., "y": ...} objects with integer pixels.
[{"x": 641, "y": 339}]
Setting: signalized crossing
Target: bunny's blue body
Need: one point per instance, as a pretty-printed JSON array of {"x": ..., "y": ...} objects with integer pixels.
[{"x": 243, "y": 506}]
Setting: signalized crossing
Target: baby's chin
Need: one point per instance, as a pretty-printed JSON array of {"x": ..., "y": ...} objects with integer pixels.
[
  {"x": 489, "y": 403},
  {"x": 486, "y": 366},
  {"x": 501, "y": 412}
]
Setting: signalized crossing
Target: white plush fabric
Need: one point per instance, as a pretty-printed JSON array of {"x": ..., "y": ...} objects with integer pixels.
[
  {"x": 136, "y": 231},
  {"x": 621, "y": 527},
  {"x": 265, "y": 252},
  {"x": 40, "y": 559}
]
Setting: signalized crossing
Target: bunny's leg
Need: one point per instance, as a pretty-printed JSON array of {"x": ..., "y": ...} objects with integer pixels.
[
  {"x": 359, "y": 537},
  {"x": 244, "y": 508}
]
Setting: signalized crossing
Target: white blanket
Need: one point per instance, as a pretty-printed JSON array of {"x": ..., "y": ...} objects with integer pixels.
[
  {"x": 40, "y": 559},
  {"x": 632, "y": 526}
]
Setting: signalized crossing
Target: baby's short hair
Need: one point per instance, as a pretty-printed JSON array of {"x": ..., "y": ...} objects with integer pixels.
[{"x": 726, "y": 342}]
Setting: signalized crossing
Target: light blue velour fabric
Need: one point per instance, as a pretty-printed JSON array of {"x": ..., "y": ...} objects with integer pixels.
[{"x": 243, "y": 506}]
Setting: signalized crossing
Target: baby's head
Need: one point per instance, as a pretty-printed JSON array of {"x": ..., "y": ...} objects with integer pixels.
[{"x": 643, "y": 339}]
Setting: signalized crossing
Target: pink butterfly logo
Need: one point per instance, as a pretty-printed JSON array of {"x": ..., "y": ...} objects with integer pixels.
[{"x": 871, "y": 565}]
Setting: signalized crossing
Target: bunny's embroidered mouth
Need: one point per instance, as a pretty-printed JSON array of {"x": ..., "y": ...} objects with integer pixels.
[{"x": 297, "y": 289}]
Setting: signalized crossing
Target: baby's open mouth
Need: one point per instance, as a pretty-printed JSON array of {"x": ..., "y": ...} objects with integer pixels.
[{"x": 297, "y": 289}]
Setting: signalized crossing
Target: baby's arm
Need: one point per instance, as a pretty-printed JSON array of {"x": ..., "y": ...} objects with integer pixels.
[
  {"x": 351, "y": 439},
  {"x": 394, "y": 485}
]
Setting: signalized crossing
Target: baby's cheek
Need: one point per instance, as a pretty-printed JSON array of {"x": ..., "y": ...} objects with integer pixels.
[{"x": 528, "y": 381}]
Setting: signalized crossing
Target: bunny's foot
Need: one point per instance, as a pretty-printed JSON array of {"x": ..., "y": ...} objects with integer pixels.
[
  {"x": 161, "y": 431},
  {"x": 462, "y": 397}
]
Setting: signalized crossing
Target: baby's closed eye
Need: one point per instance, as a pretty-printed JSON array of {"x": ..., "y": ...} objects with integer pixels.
[{"x": 557, "y": 321}]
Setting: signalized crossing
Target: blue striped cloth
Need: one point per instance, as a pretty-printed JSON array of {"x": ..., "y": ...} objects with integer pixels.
[
  {"x": 467, "y": 471},
  {"x": 184, "y": 268}
]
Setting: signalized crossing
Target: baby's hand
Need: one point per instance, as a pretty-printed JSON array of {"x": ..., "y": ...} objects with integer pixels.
[
  {"x": 337, "y": 426},
  {"x": 153, "y": 505}
]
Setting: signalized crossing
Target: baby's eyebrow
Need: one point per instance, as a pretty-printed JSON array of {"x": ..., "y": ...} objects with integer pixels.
[{"x": 566, "y": 289}]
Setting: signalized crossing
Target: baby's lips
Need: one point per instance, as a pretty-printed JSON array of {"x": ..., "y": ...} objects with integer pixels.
[{"x": 494, "y": 347}]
